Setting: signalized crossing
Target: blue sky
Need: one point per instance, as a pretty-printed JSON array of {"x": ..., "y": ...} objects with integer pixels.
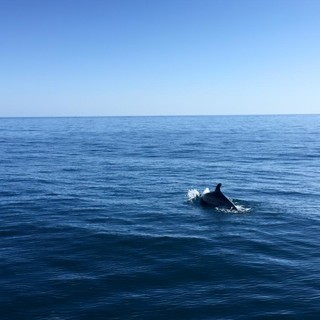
[{"x": 145, "y": 57}]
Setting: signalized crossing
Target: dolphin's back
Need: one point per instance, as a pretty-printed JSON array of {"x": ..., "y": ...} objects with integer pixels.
[
  {"x": 212, "y": 199},
  {"x": 217, "y": 199}
]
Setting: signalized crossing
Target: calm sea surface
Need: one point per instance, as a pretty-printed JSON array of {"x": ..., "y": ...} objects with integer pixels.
[{"x": 95, "y": 221}]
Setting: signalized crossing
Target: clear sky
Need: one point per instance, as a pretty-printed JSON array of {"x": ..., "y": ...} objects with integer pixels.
[{"x": 159, "y": 57}]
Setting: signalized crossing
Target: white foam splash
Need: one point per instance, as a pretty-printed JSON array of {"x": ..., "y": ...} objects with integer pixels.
[
  {"x": 242, "y": 209},
  {"x": 193, "y": 194},
  {"x": 206, "y": 190}
]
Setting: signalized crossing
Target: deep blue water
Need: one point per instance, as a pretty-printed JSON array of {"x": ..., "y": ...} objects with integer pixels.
[{"x": 95, "y": 222}]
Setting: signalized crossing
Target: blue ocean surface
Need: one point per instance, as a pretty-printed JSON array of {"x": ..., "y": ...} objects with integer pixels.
[{"x": 95, "y": 220}]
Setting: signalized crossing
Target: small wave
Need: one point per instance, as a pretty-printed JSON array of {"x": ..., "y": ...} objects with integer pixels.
[{"x": 240, "y": 209}]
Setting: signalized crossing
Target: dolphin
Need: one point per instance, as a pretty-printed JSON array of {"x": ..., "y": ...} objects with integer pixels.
[{"x": 217, "y": 199}]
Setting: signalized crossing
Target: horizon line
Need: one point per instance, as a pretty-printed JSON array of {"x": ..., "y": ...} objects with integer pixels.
[{"x": 158, "y": 116}]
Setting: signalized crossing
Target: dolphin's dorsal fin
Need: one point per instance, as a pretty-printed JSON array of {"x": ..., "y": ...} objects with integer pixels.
[{"x": 218, "y": 187}]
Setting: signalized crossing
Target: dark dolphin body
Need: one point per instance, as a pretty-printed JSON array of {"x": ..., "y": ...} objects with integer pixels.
[{"x": 217, "y": 199}]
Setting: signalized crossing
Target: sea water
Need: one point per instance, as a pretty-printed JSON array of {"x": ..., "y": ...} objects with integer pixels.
[{"x": 96, "y": 223}]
